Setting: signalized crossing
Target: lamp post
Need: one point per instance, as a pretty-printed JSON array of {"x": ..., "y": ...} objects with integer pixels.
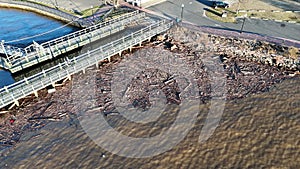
[
  {"x": 181, "y": 15},
  {"x": 244, "y": 19},
  {"x": 140, "y": 3},
  {"x": 56, "y": 3},
  {"x": 238, "y": 8},
  {"x": 92, "y": 7}
]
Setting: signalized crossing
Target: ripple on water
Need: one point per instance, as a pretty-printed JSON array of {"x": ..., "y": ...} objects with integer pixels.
[
  {"x": 21, "y": 24},
  {"x": 253, "y": 133}
]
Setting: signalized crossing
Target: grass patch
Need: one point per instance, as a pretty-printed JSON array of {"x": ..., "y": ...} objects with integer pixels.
[
  {"x": 253, "y": 4},
  {"x": 268, "y": 8},
  {"x": 90, "y": 11},
  {"x": 50, "y": 6},
  {"x": 276, "y": 15}
]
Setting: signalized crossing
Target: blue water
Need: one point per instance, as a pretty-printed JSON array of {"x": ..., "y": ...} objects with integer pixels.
[
  {"x": 5, "y": 78},
  {"x": 18, "y": 25}
]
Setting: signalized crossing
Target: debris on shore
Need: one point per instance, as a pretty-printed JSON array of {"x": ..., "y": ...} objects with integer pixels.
[{"x": 249, "y": 67}]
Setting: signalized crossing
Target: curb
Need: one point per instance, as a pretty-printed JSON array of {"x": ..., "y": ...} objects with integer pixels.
[
  {"x": 263, "y": 10},
  {"x": 276, "y": 20},
  {"x": 244, "y": 35}
]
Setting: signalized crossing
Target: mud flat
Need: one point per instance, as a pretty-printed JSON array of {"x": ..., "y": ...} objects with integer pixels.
[{"x": 250, "y": 67}]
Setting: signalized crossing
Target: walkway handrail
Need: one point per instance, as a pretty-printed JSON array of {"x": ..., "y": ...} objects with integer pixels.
[
  {"x": 102, "y": 27},
  {"x": 64, "y": 70},
  {"x": 31, "y": 48},
  {"x": 89, "y": 29},
  {"x": 11, "y": 50}
]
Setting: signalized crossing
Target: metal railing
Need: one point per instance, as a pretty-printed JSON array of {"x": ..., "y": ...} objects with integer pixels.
[
  {"x": 38, "y": 53},
  {"x": 11, "y": 50},
  {"x": 32, "y": 47},
  {"x": 23, "y": 88}
]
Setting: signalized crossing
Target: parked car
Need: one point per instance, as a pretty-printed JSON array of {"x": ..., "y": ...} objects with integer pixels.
[{"x": 220, "y": 4}]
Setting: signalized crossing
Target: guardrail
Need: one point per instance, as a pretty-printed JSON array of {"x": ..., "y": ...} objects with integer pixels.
[
  {"x": 32, "y": 47},
  {"x": 12, "y": 93},
  {"x": 38, "y": 53},
  {"x": 11, "y": 51}
]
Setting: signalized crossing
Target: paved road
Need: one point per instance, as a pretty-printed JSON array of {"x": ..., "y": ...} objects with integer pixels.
[{"x": 193, "y": 12}]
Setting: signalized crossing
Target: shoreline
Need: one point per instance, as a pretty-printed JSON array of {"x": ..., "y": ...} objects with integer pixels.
[
  {"x": 34, "y": 113},
  {"x": 12, "y": 119},
  {"x": 41, "y": 12}
]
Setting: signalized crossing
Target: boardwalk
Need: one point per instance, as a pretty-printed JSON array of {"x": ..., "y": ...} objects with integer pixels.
[
  {"x": 31, "y": 85},
  {"x": 37, "y": 53}
]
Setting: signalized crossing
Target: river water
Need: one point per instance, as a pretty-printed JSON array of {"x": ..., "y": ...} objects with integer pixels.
[
  {"x": 260, "y": 131},
  {"x": 21, "y": 28}
]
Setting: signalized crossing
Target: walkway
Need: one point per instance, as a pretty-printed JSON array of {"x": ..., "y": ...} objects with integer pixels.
[
  {"x": 31, "y": 85},
  {"x": 37, "y": 53}
]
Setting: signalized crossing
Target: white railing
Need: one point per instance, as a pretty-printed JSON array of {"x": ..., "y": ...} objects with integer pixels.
[
  {"x": 32, "y": 48},
  {"x": 92, "y": 28},
  {"x": 51, "y": 48},
  {"x": 11, "y": 50},
  {"x": 25, "y": 87}
]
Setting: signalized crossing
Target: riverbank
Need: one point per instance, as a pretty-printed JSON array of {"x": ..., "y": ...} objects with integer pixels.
[
  {"x": 247, "y": 70},
  {"x": 36, "y": 10}
]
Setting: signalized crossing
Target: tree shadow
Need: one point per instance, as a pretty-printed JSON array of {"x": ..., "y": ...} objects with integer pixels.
[
  {"x": 213, "y": 11},
  {"x": 205, "y": 2}
]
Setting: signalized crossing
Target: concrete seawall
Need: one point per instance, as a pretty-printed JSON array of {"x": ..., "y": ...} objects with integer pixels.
[{"x": 32, "y": 9}]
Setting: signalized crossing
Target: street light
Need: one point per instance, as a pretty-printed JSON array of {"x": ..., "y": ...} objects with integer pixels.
[
  {"x": 181, "y": 16},
  {"x": 92, "y": 7},
  {"x": 244, "y": 19}
]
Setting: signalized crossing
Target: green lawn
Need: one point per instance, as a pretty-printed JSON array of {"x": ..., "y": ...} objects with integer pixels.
[{"x": 253, "y": 5}]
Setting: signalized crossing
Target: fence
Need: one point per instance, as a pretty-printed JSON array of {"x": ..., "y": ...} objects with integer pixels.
[
  {"x": 10, "y": 50},
  {"x": 35, "y": 53},
  {"x": 23, "y": 88}
]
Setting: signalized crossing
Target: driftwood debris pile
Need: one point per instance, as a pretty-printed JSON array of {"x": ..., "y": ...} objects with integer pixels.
[{"x": 248, "y": 67}]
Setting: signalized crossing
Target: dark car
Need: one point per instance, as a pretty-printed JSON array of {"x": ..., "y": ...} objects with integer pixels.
[{"x": 220, "y": 4}]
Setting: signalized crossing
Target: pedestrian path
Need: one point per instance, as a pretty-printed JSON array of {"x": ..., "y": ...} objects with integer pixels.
[
  {"x": 38, "y": 53},
  {"x": 31, "y": 85}
]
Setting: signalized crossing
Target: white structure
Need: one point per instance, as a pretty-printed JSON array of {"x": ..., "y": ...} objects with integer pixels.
[{"x": 145, "y": 3}]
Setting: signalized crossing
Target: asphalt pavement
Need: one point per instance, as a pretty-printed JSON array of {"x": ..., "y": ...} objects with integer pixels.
[{"x": 192, "y": 12}]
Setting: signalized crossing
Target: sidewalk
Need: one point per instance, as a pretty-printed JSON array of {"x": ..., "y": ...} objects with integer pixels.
[{"x": 71, "y": 5}]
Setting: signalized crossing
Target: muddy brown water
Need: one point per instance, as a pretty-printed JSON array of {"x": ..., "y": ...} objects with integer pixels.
[{"x": 260, "y": 131}]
